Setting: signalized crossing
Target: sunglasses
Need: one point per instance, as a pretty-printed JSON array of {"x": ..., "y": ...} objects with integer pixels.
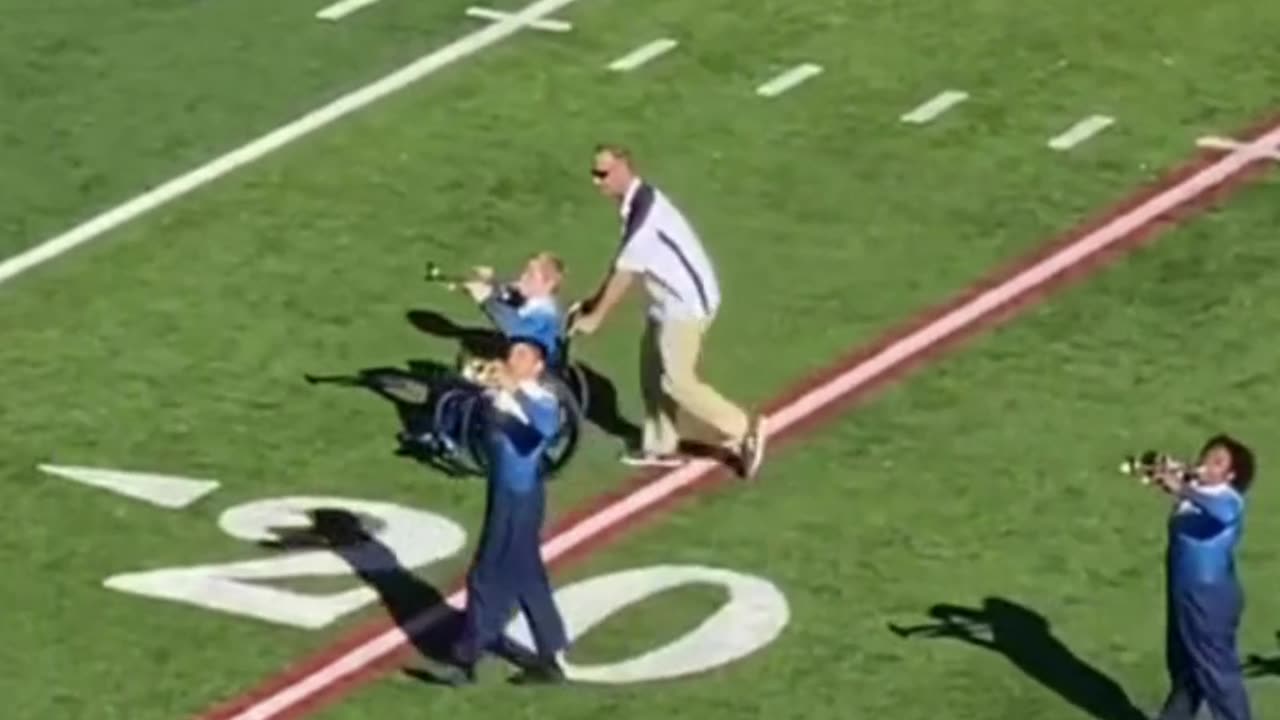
[{"x": 599, "y": 174}]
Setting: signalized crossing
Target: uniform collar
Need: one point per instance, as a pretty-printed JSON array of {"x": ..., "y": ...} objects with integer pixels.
[
  {"x": 505, "y": 402},
  {"x": 624, "y": 208},
  {"x": 542, "y": 303},
  {"x": 535, "y": 389},
  {"x": 1219, "y": 489}
]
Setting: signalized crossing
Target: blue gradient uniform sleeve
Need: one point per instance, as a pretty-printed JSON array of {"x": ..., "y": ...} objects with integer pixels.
[
  {"x": 536, "y": 320},
  {"x": 540, "y": 422},
  {"x": 523, "y": 424},
  {"x": 1204, "y": 531},
  {"x": 1224, "y": 508},
  {"x": 505, "y": 316}
]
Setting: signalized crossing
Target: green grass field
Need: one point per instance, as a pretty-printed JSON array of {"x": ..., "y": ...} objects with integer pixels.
[{"x": 177, "y": 343}]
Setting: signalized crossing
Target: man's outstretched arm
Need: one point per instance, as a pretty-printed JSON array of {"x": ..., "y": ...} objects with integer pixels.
[{"x": 598, "y": 307}]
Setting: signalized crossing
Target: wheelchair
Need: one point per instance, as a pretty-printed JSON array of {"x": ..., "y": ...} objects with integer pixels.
[{"x": 458, "y": 423}]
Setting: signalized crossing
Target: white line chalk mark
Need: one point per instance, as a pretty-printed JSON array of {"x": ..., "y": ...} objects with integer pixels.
[
  {"x": 788, "y": 80},
  {"x": 643, "y": 54},
  {"x": 546, "y": 24},
  {"x": 343, "y": 8},
  {"x": 1081, "y": 132},
  {"x": 935, "y": 107},
  {"x": 895, "y": 355},
  {"x": 1221, "y": 143},
  {"x": 358, "y": 99}
]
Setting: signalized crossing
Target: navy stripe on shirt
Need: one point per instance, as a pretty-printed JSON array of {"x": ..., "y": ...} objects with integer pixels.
[
  {"x": 688, "y": 266},
  {"x": 642, "y": 202},
  {"x": 638, "y": 212}
]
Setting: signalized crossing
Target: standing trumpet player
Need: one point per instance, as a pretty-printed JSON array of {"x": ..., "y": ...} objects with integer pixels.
[{"x": 1205, "y": 600}]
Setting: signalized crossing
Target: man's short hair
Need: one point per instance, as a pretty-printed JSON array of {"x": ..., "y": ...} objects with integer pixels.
[
  {"x": 1243, "y": 463},
  {"x": 618, "y": 151}
]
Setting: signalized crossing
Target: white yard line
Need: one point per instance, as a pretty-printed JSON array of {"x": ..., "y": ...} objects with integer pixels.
[
  {"x": 643, "y": 54},
  {"x": 343, "y": 8},
  {"x": 1081, "y": 132},
  {"x": 935, "y": 107},
  {"x": 1116, "y": 229},
  {"x": 892, "y": 357},
  {"x": 1221, "y": 143},
  {"x": 788, "y": 80},
  {"x": 499, "y": 15},
  {"x": 361, "y": 98}
]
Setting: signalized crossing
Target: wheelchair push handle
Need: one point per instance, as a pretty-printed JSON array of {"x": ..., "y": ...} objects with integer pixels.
[{"x": 575, "y": 311}]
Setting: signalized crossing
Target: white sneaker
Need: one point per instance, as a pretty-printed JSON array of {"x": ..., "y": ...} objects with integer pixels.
[
  {"x": 648, "y": 459},
  {"x": 751, "y": 451}
]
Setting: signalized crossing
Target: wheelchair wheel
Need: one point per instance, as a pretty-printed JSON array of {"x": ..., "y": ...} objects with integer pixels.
[
  {"x": 565, "y": 444},
  {"x": 575, "y": 378},
  {"x": 466, "y": 436},
  {"x": 473, "y": 443},
  {"x": 559, "y": 451}
]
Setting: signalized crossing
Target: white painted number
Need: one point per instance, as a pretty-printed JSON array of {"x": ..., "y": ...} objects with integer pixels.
[
  {"x": 416, "y": 537},
  {"x": 754, "y": 616}
]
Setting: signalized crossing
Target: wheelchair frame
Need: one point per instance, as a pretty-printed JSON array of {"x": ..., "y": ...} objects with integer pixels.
[
  {"x": 469, "y": 451},
  {"x": 568, "y": 380}
]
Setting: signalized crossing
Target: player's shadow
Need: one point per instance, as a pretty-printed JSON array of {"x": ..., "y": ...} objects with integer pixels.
[
  {"x": 416, "y": 606},
  {"x": 1259, "y": 666},
  {"x": 602, "y": 408},
  {"x": 412, "y": 393},
  {"x": 1025, "y": 638},
  {"x": 412, "y": 603}
]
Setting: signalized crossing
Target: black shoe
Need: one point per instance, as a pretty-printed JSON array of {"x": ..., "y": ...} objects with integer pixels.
[
  {"x": 514, "y": 653},
  {"x": 546, "y": 672},
  {"x": 460, "y": 676},
  {"x": 451, "y": 676}
]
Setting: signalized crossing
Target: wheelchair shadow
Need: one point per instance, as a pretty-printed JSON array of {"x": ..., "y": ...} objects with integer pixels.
[
  {"x": 602, "y": 408},
  {"x": 416, "y": 606},
  {"x": 1025, "y": 638},
  {"x": 410, "y": 392}
]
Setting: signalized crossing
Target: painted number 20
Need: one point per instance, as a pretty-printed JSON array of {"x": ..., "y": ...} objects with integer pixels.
[{"x": 753, "y": 616}]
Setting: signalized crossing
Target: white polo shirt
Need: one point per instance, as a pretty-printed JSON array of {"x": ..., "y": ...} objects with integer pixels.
[{"x": 660, "y": 244}]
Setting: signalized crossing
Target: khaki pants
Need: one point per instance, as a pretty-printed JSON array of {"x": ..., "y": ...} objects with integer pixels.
[{"x": 670, "y": 384}]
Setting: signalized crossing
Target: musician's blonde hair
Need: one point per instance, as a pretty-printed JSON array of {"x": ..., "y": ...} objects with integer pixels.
[{"x": 552, "y": 265}]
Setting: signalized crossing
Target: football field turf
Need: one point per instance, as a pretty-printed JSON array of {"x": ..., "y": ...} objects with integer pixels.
[{"x": 177, "y": 343}]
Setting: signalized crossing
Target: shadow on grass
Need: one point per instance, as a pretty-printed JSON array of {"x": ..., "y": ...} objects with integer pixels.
[
  {"x": 1025, "y": 638},
  {"x": 417, "y": 607}
]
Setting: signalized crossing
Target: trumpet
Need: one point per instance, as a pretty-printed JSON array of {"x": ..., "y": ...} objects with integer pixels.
[
  {"x": 482, "y": 371},
  {"x": 434, "y": 273},
  {"x": 1146, "y": 465},
  {"x": 452, "y": 281}
]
